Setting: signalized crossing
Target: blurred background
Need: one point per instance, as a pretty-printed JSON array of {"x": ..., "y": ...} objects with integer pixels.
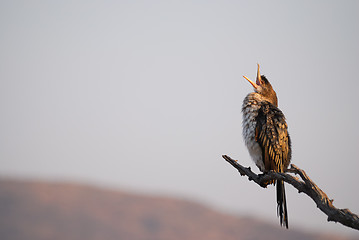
[{"x": 146, "y": 96}]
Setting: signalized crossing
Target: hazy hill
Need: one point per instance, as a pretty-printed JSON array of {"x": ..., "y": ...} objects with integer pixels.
[{"x": 40, "y": 210}]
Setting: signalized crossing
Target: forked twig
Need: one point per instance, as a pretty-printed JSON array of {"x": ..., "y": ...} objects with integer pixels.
[{"x": 306, "y": 185}]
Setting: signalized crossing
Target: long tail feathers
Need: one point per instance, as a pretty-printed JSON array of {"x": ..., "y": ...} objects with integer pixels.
[{"x": 282, "y": 204}]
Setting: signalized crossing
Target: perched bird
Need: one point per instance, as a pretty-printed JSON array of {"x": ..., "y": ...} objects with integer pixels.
[{"x": 266, "y": 136}]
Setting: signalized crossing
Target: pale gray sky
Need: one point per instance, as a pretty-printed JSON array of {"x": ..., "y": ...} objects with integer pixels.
[{"x": 146, "y": 95}]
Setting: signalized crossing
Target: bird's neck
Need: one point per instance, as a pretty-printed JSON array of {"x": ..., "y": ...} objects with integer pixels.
[{"x": 259, "y": 98}]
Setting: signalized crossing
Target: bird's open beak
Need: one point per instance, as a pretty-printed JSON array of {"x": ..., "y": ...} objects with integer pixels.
[
  {"x": 251, "y": 82},
  {"x": 258, "y": 80}
]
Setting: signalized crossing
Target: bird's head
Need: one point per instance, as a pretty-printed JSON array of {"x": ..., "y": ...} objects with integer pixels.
[{"x": 264, "y": 88}]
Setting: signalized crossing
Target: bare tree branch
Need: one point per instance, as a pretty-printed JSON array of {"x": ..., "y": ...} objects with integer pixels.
[{"x": 307, "y": 186}]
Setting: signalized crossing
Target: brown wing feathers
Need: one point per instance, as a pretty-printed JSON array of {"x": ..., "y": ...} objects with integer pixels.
[{"x": 272, "y": 136}]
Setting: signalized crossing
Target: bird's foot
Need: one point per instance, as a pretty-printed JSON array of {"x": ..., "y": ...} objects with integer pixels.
[{"x": 265, "y": 183}]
